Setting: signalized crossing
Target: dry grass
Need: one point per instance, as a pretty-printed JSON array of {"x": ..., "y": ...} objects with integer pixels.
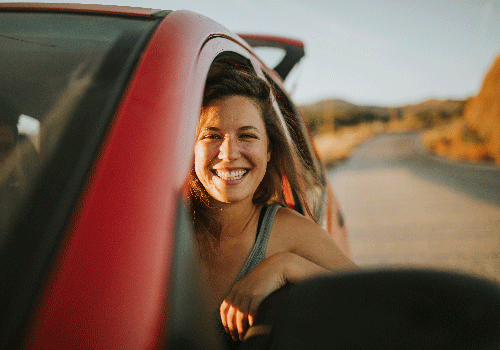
[
  {"x": 334, "y": 147},
  {"x": 475, "y": 136},
  {"x": 402, "y": 125},
  {"x": 449, "y": 141},
  {"x": 472, "y": 133}
]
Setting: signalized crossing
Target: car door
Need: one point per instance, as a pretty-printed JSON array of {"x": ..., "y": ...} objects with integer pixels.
[
  {"x": 64, "y": 72},
  {"x": 120, "y": 275},
  {"x": 102, "y": 254}
]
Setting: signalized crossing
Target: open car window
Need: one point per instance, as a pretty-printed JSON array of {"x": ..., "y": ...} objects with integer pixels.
[{"x": 306, "y": 161}]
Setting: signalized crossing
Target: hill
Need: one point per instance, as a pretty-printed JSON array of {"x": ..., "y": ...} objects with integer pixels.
[
  {"x": 339, "y": 126},
  {"x": 466, "y": 130},
  {"x": 332, "y": 115},
  {"x": 475, "y": 136}
]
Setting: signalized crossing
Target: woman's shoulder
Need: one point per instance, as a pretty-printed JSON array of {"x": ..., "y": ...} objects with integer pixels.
[
  {"x": 291, "y": 228},
  {"x": 300, "y": 235},
  {"x": 289, "y": 218}
]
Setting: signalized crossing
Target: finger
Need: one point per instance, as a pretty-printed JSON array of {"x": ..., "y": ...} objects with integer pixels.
[
  {"x": 231, "y": 322},
  {"x": 232, "y": 311},
  {"x": 223, "y": 314},
  {"x": 252, "y": 310},
  {"x": 241, "y": 323},
  {"x": 250, "y": 320},
  {"x": 242, "y": 317}
]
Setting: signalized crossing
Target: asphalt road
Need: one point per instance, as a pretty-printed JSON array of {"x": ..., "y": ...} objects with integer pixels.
[{"x": 405, "y": 208}]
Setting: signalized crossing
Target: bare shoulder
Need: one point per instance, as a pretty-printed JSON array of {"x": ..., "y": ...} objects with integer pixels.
[
  {"x": 290, "y": 222},
  {"x": 287, "y": 218},
  {"x": 293, "y": 231},
  {"x": 298, "y": 234}
]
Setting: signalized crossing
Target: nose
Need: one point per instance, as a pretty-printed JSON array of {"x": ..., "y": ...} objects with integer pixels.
[{"x": 228, "y": 150}]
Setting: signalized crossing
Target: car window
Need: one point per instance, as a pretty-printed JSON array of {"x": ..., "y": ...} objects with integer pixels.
[
  {"x": 48, "y": 63},
  {"x": 61, "y": 78}
]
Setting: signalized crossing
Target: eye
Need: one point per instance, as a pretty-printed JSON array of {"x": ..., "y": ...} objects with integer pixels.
[
  {"x": 210, "y": 137},
  {"x": 248, "y": 136}
]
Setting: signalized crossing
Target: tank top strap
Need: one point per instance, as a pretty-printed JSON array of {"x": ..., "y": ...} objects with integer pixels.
[{"x": 258, "y": 252}]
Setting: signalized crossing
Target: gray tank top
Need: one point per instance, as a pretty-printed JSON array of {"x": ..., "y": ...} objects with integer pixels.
[{"x": 258, "y": 252}]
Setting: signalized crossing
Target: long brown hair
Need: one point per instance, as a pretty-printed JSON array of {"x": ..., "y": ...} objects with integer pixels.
[{"x": 206, "y": 213}]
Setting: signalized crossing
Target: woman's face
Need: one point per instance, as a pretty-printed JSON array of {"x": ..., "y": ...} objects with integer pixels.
[{"x": 231, "y": 151}]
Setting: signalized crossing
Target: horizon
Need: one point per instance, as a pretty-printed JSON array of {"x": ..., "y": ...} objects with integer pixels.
[{"x": 425, "y": 100}]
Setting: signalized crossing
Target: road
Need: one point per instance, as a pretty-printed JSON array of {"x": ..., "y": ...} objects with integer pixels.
[{"x": 406, "y": 208}]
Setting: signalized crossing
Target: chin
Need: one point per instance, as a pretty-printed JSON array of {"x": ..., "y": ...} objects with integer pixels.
[{"x": 228, "y": 199}]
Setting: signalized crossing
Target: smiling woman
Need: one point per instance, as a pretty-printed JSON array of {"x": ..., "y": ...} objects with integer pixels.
[
  {"x": 251, "y": 126},
  {"x": 250, "y": 244},
  {"x": 232, "y": 149}
]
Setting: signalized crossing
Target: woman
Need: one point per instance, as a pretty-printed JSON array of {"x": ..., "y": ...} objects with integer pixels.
[{"x": 250, "y": 244}]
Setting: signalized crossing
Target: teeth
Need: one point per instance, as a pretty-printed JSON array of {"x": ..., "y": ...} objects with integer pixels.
[{"x": 231, "y": 175}]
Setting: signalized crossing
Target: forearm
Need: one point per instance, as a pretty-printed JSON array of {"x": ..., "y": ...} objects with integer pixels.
[
  {"x": 295, "y": 268},
  {"x": 240, "y": 305}
]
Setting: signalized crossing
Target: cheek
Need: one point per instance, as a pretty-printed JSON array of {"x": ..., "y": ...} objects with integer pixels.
[
  {"x": 259, "y": 155},
  {"x": 199, "y": 159},
  {"x": 203, "y": 155}
]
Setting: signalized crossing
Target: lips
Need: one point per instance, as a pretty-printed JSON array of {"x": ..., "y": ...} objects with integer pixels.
[{"x": 230, "y": 174}]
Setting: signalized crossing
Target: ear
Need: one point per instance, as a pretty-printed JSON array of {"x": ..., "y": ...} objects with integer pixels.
[{"x": 268, "y": 156}]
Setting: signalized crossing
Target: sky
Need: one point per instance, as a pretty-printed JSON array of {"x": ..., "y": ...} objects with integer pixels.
[{"x": 369, "y": 52}]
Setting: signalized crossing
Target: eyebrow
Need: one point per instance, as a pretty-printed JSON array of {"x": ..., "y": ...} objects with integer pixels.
[
  {"x": 211, "y": 128},
  {"x": 243, "y": 128},
  {"x": 248, "y": 127}
]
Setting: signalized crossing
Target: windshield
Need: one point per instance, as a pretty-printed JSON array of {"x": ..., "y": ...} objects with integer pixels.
[{"x": 52, "y": 64}]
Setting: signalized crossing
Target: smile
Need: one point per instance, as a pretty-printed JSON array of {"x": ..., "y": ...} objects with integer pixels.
[{"x": 230, "y": 175}]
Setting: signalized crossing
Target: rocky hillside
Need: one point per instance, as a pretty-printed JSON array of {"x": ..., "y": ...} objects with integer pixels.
[
  {"x": 332, "y": 115},
  {"x": 339, "y": 127},
  {"x": 463, "y": 130},
  {"x": 475, "y": 136}
]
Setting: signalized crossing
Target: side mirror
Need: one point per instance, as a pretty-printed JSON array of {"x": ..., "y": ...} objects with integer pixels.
[{"x": 384, "y": 309}]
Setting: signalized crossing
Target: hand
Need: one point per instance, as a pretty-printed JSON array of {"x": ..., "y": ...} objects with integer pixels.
[{"x": 239, "y": 308}]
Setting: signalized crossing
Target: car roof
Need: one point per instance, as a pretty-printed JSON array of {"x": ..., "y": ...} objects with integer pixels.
[
  {"x": 105, "y": 9},
  {"x": 200, "y": 28},
  {"x": 147, "y": 13}
]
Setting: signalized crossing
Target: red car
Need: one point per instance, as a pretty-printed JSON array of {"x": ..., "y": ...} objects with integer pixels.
[
  {"x": 95, "y": 237},
  {"x": 99, "y": 107}
]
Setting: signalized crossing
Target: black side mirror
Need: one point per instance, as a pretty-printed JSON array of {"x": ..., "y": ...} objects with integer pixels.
[{"x": 384, "y": 309}]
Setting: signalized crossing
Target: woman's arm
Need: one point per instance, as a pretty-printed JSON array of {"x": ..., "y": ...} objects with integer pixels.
[
  {"x": 300, "y": 249},
  {"x": 239, "y": 307},
  {"x": 300, "y": 235}
]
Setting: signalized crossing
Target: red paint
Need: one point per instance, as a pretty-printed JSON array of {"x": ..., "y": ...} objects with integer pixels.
[
  {"x": 81, "y": 8},
  {"x": 276, "y": 39},
  {"x": 108, "y": 287}
]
